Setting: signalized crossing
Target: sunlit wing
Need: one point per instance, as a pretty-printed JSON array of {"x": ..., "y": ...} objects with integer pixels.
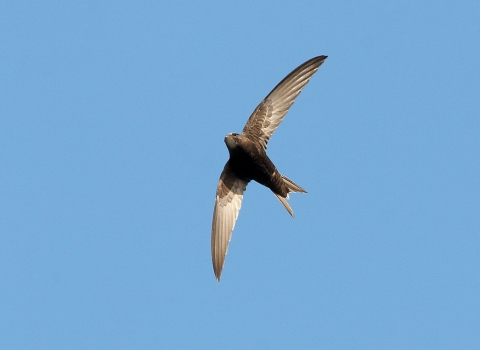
[
  {"x": 271, "y": 111},
  {"x": 227, "y": 205}
]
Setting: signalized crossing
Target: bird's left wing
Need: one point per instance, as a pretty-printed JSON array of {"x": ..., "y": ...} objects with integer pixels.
[
  {"x": 227, "y": 205},
  {"x": 271, "y": 111}
]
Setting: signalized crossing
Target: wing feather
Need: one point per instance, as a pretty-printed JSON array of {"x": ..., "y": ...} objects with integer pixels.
[
  {"x": 271, "y": 111},
  {"x": 227, "y": 206}
]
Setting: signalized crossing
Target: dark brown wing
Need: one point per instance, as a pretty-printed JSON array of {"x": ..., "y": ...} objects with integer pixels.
[
  {"x": 270, "y": 112},
  {"x": 227, "y": 205}
]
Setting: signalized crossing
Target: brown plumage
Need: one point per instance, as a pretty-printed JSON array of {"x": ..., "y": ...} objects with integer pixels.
[{"x": 249, "y": 161}]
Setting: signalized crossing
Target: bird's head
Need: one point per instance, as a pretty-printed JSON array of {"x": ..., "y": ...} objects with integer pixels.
[{"x": 231, "y": 140}]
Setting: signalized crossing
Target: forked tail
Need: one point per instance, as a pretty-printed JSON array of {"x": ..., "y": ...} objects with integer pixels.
[{"x": 292, "y": 187}]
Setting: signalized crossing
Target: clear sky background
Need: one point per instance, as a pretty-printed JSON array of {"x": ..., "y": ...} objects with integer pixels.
[{"x": 112, "y": 119}]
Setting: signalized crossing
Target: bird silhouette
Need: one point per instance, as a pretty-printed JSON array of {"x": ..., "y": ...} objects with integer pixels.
[{"x": 249, "y": 161}]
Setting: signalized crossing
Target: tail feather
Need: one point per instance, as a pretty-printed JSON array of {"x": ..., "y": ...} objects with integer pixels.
[
  {"x": 292, "y": 187},
  {"x": 285, "y": 204}
]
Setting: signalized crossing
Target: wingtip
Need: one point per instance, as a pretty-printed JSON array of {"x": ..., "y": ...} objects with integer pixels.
[
  {"x": 218, "y": 274},
  {"x": 217, "y": 277},
  {"x": 319, "y": 60}
]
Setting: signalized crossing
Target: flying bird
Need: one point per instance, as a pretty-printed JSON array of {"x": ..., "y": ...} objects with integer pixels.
[{"x": 249, "y": 161}]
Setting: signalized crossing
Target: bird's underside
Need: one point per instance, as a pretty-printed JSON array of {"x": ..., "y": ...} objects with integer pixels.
[{"x": 249, "y": 161}]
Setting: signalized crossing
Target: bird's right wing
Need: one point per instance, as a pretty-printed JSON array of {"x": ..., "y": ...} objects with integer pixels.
[
  {"x": 271, "y": 111},
  {"x": 227, "y": 205}
]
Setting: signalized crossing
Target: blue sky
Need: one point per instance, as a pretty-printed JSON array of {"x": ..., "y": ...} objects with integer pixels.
[{"x": 112, "y": 119}]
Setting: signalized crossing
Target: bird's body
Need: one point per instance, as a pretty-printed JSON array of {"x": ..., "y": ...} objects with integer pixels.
[{"x": 249, "y": 161}]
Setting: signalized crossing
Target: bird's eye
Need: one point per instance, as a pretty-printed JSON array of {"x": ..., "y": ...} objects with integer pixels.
[{"x": 234, "y": 134}]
